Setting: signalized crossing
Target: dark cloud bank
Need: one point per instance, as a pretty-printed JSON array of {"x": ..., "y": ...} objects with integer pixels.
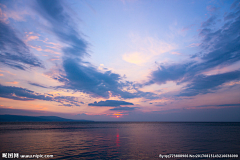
[
  {"x": 110, "y": 103},
  {"x": 114, "y": 103}
]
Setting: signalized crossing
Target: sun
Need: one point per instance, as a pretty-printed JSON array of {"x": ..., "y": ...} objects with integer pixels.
[{"x": 117, "y": 116}]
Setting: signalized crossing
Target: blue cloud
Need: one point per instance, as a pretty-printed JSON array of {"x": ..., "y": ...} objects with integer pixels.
[
  {"x": 222, "y": 105},
  {"x": 67, "y": 99},
  {"x": 205, "y": 84},
  {"x": 110, "y": 103},
  {"x": 18, "y": 93},
  {"x": 88, "y": 80},
  {"x": 38, "y": 85},
  {"x": 13, "y": 51},
  {"x": 63, "y": 27},
  {"x": 219, "y": 48},
  {"x": 235, "y": 4},
  {"x": 170, "y": 73},
  {"x": 123, "y": 109},
  {"x": 211, "y": 21},
  {"x": 79, "y": 75},
  {"x": 160, "y": 105}
]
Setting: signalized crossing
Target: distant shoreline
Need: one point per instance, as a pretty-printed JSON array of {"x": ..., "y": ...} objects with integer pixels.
[{"x": 21, "y": 118}]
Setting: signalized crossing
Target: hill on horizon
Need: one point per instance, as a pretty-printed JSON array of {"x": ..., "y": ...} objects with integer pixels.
[{"x": 21, "y": 118}]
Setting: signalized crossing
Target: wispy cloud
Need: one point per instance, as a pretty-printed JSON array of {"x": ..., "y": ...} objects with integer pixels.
[
  {"x": 212, "y": 8},
  {"x": 23, "y": 94},
  {"x": 123, "y": 109},
  {"x": 219, "y": 48},
  {"x": 7, "y": 13},
  {"x": 38, "y": 85},
  {"x": 221, "y": 105},
  {"x": 188, "y": 27},
  {"x": 146, "y": 49},
  {"x": 14, "y": 82},
  {"x": 13, "y": 50},
  {"x": 211, "y": 21},
  {"x": 202, "y": 84},
  {"x": 79, "y": 75},
  {"x": 63, "y": 27}
]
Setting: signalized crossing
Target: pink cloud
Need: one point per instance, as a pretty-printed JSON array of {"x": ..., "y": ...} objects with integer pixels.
[
  {"x": 31, "y": 36},
  {"x": 211, "y": 8},
  {"x": 188, "y": 27},
  {"x": 54, "y": 59},
  {"x": 37, "y": 48},
  {"x": 176, "y": 53},
  {"x": 7, "y": 72},
  {"x": 14, "y": 82},
  {"x": 51, "y": 51},
  {"x": 194, "y": 45},
  {"x": 17, "y": 15}
]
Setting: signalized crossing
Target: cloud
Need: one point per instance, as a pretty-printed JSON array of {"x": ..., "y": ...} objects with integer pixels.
[
  {"x": 89, "y": 80},
  {"x": 219, "y": 48},
  {"x": 194, "y": 45},
  {"x": 202, "y": 84},
  {"x": 38, "y": 85},
  {"x": 235, "y": 4},
  {"x": 174, "y": 72},
  {"x": 13, "y": 51},
  {"x": 230, "y": 16},
  {"x": 110, "y": 103},
  {"x": 123, "y": 109},
  {"x": 14, "y": 82},
  {"x": 18, "y": 93},
  {"x": 16, "y": 14},
  {"x": 188, "y": 27},
  {"x": 30, "y": 36},
  {"x": 208, "y": 23},
  {"x": 176, "y": 53},
  {"x": 63, "y": 27},
  {"x": 135, "y": 58},
  {"x": 226, "y": 105},
  {"x": 67, "y": 105},
  {"x": 69, "y": 99},
  {"x": 212, "y": 8},
  {"x": 147, "y": 49},
  {"x": 51, "y": 51},
  {"x": 221, "y": 105},
  {"x": 79, "y": 75}
]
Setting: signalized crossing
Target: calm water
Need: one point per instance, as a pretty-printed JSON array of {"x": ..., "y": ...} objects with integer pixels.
[{"x": 112, "y": 140}]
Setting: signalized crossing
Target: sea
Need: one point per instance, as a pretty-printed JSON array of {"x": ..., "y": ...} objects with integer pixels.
[{"x": 120, "y": 140}]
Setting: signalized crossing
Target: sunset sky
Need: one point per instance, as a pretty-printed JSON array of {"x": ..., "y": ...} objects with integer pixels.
[{"x": 121, "y": 60}]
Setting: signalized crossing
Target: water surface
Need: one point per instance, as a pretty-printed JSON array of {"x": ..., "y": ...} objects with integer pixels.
[{"x": 118, "y": 140}]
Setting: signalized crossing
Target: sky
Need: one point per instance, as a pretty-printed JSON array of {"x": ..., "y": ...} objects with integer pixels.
[{"x": 121, "y": 60}]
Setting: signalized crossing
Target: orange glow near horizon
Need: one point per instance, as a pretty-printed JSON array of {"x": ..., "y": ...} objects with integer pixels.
[{"x": 118, "y": 115}]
